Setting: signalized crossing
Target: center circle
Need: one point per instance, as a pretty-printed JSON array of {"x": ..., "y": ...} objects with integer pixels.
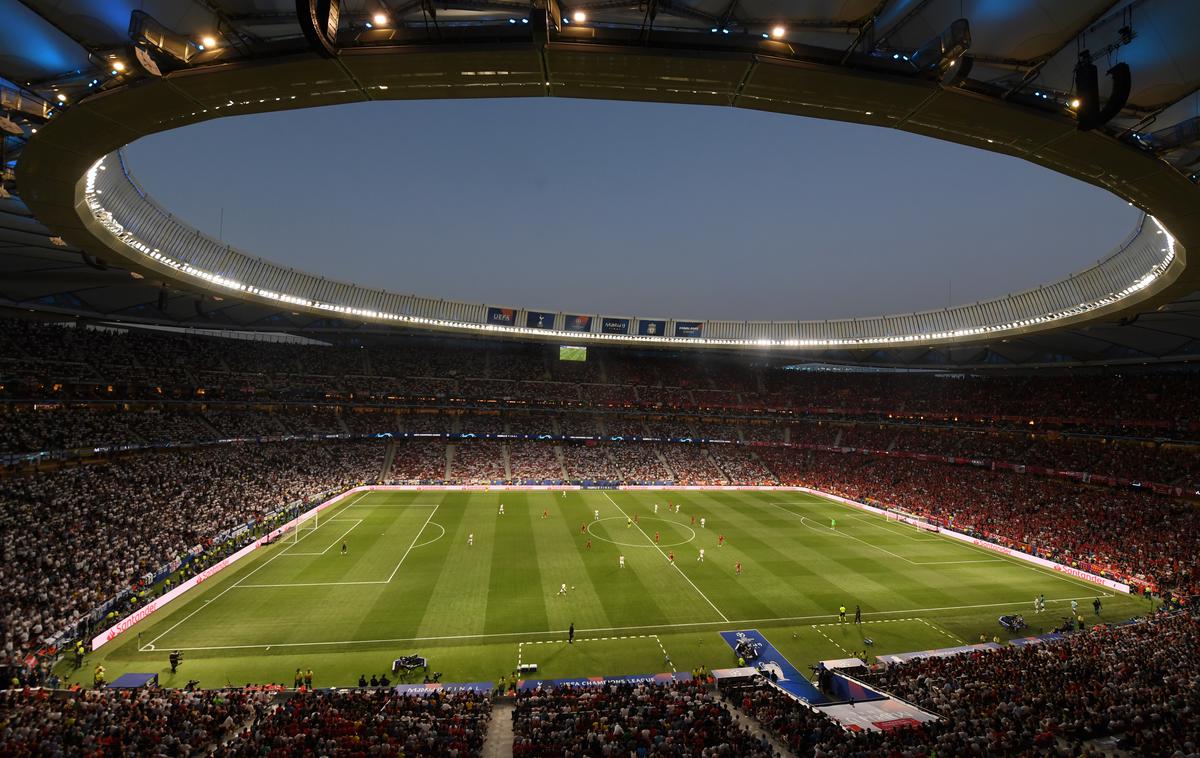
[{"x": 647, "y": 544}]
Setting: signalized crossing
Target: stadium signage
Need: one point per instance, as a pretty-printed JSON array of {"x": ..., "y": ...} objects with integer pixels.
[
  {"x": 502, "y": 316},
  {"x": 610, "y": 325},
  {"x": 539, "y": 320},
  {"x": 577, "y": 323},
  {"x": 689, "y": 328},
  {"x": 652, "y": 327}
]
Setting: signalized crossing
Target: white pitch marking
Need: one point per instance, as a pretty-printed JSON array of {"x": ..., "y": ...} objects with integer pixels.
[
  {"x": 435, "y": 539},
  {"x": 1008, "y": 559},
  {"x": 937, "y": 628},
  {"x": 413, "y": 543},
  {"x": 244, "y": 578},
  {"x": 684, "y": 625},
  {"x": 664, "y": 555},
  {"x": 356, "y": 521}
]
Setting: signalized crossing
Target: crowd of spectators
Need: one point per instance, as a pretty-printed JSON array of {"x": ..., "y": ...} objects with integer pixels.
[
  {"x": 816, "y": 434},
  {"x": 691, "y": 464},
  {"x": 740, "y": 465},
  {"x": 764, "y": 431},
  {"x": 584, "y": 461},
  {"x": 1146, "y": 539},
  {"x": 370, "y": 722},
  {"x": 482, "y": 423},
  {"x": 243, "y": 723},
  {"x": 639, "y": 462},
  {"x": 28, "y": 430},
  {"x": 806, "y": 731},
  {"x": 713, "y": 429},
  {"x": 675, "y": 719},
  {"x": 477, "y": 462},
  {"x": 534, "y": 462},
  {"x": 1139, "y": 682},
  {"x": 667, "y": 428},
  {"x": 76, "y": 537},
  {"x": 419, "y": 460},
  {"x": 40, "y": 361},
  {"x": 244, "y": 423},
  {"x": 123, "y": 722},
  {"x": 578, "y": 425}
]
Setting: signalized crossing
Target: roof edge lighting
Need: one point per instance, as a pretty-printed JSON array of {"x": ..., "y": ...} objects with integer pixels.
[{"x": 430, "y": 313}]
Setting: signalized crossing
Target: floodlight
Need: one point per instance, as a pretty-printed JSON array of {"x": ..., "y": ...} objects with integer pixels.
[
  {"x": 380, "y": 18},
  {"x": 778, "y": 32},
  {"x": 208, "y": 40},
  {"x": 1076, "y": 102},
  {"x": 580, "y": 17},
  {"x": 118, "y": 66}
]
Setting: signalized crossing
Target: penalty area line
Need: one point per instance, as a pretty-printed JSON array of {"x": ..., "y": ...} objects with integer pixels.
[{"x": 209, "y": 601}]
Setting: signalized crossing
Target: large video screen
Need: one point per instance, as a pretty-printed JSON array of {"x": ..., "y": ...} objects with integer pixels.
[{"x": 572, "y": 353}]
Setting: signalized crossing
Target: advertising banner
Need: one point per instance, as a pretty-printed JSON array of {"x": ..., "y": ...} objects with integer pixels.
[
  {"x": 577, "y": 323},
  {"x": 689, "y": 328},
  {"x": 502, "y": 316},
  {"x": 610, "y": 325},
  {"x": 652, "y": 327},
  {"x": 539, "y": 320}
]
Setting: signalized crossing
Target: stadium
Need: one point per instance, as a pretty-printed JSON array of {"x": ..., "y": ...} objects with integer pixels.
[{"x": 252, "y": 508}]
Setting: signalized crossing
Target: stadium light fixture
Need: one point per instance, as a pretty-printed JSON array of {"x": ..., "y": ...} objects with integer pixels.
[
  {"x": 208, "y": 41},
  {"x": 61, "y": 97},
  {"x": 579, "y": 17},
  {"x": 380, "y": 19},
  {"x": 1076, "y": 102},
  {"x": 118, "y": 66},
  {"x": 778, "y": 32}
]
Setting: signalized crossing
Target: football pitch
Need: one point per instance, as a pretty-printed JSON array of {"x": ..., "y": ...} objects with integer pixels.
[{"x": 443, "y": 575}]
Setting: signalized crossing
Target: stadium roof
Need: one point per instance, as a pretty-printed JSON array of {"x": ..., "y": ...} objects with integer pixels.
[{"x": 857, "y": 59}]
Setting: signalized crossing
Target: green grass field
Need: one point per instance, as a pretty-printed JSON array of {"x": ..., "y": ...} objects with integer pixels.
[{"x": 410, "y": 583}]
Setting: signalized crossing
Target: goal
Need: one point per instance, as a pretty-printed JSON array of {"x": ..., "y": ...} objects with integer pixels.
[
  {"x": 305, "y": 527},
  {"x": 911, "y": 519}
]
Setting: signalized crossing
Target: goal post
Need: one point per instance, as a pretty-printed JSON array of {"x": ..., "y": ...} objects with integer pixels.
[
  {"x": 305, "y": 527},
  {"x": 911, "y": 519}
]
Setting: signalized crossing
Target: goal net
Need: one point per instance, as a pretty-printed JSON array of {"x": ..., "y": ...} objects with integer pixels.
[
  {"x": 305, "y": 527},
  {"x": 912, "y": 519}
]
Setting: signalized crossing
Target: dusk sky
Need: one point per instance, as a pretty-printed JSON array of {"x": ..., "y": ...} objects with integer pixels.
[{"x": 630, "y": 209}]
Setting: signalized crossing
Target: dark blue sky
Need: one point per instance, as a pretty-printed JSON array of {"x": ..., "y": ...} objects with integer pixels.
[{"x": 630, "y": 208}]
